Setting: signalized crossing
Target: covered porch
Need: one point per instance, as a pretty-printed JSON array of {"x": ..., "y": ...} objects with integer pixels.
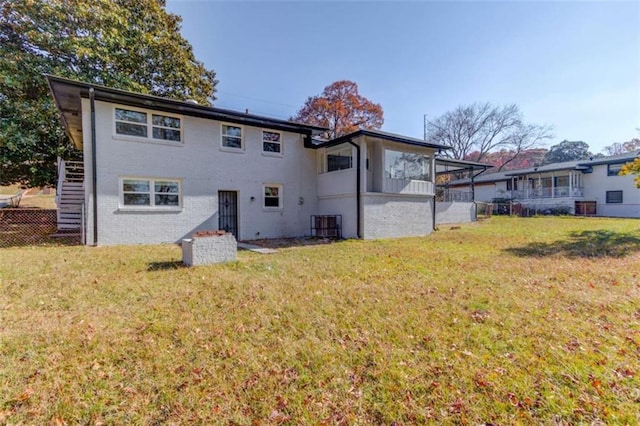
[{"x": 562, "y": 184}]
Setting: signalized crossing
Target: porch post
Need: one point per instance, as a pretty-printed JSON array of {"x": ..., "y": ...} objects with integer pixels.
[
  {"x": 570, "y": 184},
  {"x": 553, "y": 185}
]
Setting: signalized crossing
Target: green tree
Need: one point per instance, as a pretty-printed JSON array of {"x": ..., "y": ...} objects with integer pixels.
[
  {"x": 127, "y": 44},
  {"x": 567, "y": 151}
]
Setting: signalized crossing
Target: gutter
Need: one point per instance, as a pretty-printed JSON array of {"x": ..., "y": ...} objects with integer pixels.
[
  {"x": 473, "y": 190},
  {"x": 358, "y": 201},
  {"x": 94, "y": 172}
]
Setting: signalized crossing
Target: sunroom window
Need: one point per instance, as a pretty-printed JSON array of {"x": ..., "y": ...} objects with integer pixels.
[
  {"x": 339, "y": 158},
  {"x": 407, "y": 165}
]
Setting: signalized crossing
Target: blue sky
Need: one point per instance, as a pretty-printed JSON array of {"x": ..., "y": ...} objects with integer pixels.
[{"x": 575, "y": 65}]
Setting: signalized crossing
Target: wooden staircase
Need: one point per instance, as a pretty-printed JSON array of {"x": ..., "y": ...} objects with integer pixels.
[{"x": 70, "y": 196}]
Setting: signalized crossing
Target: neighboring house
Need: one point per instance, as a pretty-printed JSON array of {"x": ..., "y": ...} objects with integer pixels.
[
  {"x": 582, "y": 187},
  {"x": 156, "y": 170}
]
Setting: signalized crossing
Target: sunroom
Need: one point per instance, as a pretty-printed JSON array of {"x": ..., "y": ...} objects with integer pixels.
[{"x": 382, "y": 184}]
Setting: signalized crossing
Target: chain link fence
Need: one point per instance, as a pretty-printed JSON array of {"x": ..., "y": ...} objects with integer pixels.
[
  {"x": 517, "y": 209},
  {"x": 26, "y": 226}
]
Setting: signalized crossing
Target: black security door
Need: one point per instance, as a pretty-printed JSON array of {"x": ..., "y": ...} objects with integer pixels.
[{"x": 228, "y": 211}]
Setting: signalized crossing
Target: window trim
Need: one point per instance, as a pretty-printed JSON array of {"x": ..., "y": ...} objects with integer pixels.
[
  {"x": 428, "y": 157},
  {"x": 609, "y": 193},
  {"x": 271, "y": 153},
  {"x": 152, "y": 206},
  {"x": 280, "y": 197},
  {"x": 149, "y": 125},
  {"x": 242, "y": 138},
  {"x": 619, "y": 165},
  {"x": 338, "y": 148}
]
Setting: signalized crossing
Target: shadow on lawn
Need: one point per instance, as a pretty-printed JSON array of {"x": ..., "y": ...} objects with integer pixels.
[
  {"x": 165, "y": 266},
  {"x": 598, "y": 243}
]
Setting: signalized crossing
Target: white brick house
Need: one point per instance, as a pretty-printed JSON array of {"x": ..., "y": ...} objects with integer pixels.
[
  {"x": 157, "y": 170},
  {"x": 581, "y": 187}
]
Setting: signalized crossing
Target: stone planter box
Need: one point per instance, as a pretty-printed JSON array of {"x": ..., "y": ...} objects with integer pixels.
[{"x": 207, "y": 247}]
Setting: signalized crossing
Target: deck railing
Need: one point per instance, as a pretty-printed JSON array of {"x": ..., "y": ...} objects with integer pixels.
[
  {"x": 536, "y": 193},
  {"x": 450, "y": 195}
]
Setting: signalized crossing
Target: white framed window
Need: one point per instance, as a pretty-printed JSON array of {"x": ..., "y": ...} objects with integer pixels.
[
  {"x": 406, "y": 165},
  {"x": 271, "y": 142},
  {"x": 272, "y": 196},
  {"x": 141, "y": 192},
  {"x": 339, "y": 158},
  {"x": 232, "y": 137},
  {"x": 147, "y": 125}
]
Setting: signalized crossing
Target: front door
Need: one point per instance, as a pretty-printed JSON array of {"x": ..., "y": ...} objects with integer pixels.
[{"x": 228, "y": 211}]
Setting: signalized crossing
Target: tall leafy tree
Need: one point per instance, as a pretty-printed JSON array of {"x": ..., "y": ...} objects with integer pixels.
[
  {"x": 567, "y": 151},
  {"x": 341, "y": 109},
  {"x": 128, "y": 44},
  {"x": 481, "y": 128}
]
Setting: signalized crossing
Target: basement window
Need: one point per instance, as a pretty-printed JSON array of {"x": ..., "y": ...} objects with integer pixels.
[
  {"x": 614, "y": 197},
  {"x": 272, "y": 197},
  {"x": 156, "y": 193}
]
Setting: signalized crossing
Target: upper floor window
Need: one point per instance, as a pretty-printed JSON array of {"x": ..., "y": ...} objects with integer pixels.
[
  {"x": 144, "y": 192},
  {"x": 614, "y": 197},
  {"x": 231, "y": 136},
  {"x": 271, "y": 142},
  {"x": 148, "y": 125},
  {"x": 406, "y": 165},
  {"x": 613, "y": 169},
  {"x": 339, "y": 158}
]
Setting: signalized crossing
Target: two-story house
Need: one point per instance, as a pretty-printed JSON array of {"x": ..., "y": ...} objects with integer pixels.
[{"x": 155, "y": 170}]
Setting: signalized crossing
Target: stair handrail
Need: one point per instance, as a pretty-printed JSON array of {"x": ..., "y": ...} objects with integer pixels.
[{"x": 61, "y": 178}]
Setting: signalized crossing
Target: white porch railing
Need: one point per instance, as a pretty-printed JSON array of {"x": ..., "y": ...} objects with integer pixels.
[
  {"x": 536, "y": 193},
  {"x": 407, "y": 186},
  {"x": 450, "y": 195}
]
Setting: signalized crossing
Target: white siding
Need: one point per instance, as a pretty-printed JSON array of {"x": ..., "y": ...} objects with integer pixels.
[
  {"x": 204, "y": 170},
  {"x": 596, "y": 185}
]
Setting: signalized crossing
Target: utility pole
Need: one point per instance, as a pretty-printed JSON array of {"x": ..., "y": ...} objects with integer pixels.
[{"x": 425, "y": 126}]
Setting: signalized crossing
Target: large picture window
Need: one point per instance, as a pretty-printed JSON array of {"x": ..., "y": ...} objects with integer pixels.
[
  {"x": 231, "y": 136},
  {"x": 339, "y": 158},
  {"x": 143, "y": 192},
  {"x": 406, "y": 165},
  {"x": 148, "y": 125}
]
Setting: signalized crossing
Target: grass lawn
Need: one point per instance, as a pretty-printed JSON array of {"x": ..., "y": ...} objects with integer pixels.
[{"x": 525, "y": 321}]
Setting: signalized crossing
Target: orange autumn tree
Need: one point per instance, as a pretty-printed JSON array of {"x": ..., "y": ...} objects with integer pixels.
[{"x": 341, "y": 109}]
